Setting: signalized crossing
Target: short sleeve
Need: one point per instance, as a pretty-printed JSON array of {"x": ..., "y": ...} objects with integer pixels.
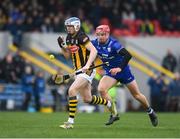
[
  {"x": 94, "y": 43},
  {"x": 117, "y": 46},
  {"x": 83, "y": 39}
]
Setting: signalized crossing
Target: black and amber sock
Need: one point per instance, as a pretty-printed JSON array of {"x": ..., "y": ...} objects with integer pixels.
[
  {"x": 72, "y": 106},
  {"x": 98, "y": 100}
]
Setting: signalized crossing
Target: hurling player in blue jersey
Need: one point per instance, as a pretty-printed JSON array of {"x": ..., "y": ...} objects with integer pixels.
[{"x": 110, "y": 50}]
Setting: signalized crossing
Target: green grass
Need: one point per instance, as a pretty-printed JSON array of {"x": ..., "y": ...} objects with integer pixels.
[{"x": 133, "y": 125}]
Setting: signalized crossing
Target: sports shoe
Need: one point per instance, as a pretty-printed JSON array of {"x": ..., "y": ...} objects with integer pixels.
[
  {"x": 67, "y": 125},
  {"x": 112, "y": 119},
  {"x": 153, "y": 118},
  {"x": 113, "y": 109}
]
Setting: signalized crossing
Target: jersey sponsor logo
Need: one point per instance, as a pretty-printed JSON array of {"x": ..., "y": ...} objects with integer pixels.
[
  {"x": 105, "y": 55},
  {"x": 109, "y": 49},
  {"x": 73, "y": 48}
]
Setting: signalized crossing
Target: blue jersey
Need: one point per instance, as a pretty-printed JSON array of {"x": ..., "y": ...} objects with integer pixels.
[
  {"x": 109, "y": 52},
  {"x": 27, "y": 83},
  {"x": 39, "y": 85}
]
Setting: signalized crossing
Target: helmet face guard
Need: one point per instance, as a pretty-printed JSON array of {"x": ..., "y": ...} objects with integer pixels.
[
  {"x": 102, "y": 29},
  {"x": 73, "y": 21}
]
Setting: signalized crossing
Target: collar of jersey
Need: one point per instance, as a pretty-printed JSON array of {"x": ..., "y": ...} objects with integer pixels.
[{"x": 105, "y": 44}]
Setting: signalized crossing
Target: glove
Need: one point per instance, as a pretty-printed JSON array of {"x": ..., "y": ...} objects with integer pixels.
[{"x": 61, "y": 42}]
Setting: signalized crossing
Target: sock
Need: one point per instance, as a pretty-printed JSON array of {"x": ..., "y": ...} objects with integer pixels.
[
  {"x": 98, "y": 100},
  {"x": 109, "y": 104},
  {"x": 71, "y": 120},
  {"x": 72, "y": 108},
  {"x": 149, "y": 110}
]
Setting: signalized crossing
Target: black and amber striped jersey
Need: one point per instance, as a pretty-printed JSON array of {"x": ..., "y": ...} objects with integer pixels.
[{"x": 79, "y": 52}]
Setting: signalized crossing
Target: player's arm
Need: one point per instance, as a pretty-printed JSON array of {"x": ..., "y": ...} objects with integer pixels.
[
  {"x": 126, "y": 58},
  {"x": 85, "y": 41},
  {"x": 93, "y": 53},
  {"x": 63, "y": 46},
  {"x": 62, "y": 43}
]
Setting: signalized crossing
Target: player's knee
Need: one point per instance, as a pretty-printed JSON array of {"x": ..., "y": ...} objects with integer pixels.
[
  {"x": 87, "y": 100},
  {"x": 72, "y": 92},
  {"x": 102, "y": 90}
]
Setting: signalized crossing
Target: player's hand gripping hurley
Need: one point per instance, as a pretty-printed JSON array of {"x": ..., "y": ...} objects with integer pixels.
[{"x": 59, "y": 78}]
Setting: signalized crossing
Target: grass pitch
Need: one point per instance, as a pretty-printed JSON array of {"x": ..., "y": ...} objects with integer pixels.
[{"x": 132, "y": 125}]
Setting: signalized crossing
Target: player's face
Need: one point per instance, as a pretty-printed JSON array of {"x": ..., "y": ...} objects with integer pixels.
[
  {"x": 70, "y": 29},
  {"x": 102, "y": 37}
]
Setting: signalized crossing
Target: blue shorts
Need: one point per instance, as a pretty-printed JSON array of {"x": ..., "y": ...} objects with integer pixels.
[{"x": 125, "y": 76}]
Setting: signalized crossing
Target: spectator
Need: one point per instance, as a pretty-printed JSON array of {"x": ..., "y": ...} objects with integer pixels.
[
  {"x": 44, "y": 13},
  {"x": 54, "y": 93},
  {"x": 1, "y": 72},
  {"x": 27, "y": 86},
  {"x": 59, "y": 93},
  {"x": 169, "y": 61},
  {"x": 47, "y": 27},
  {"x": 2, "y": 20},
  {"x": 9, "y": 74},
  {"x": 177, "y": 23},
  {"x": 16, "y": 29},
  {"x": 58, "y": 25},
  {"x": 87, "y": 27},
  {"x": 147, "y": 28},
  {"x": 39, "y": 88},
  {"x": 158, "y": 92},
  {"x": 174, "y": 94},
  {"x": 20, "y": 63},
  {"x": 29, "y": 24},
  {"x": 128, "y": 15}
]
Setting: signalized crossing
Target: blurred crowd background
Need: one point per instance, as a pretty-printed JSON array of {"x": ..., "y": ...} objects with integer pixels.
[{"x": 125, "y": 17}]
